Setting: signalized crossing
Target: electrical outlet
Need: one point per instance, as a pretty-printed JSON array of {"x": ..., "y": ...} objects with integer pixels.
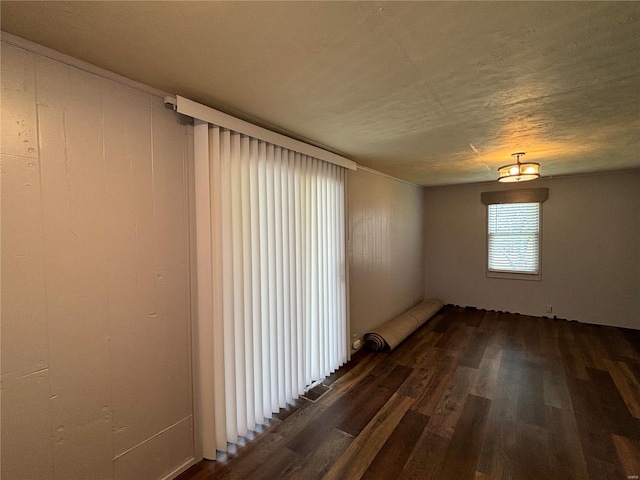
[
  {"x": 356, "y": 344},
  {"x": 549, "y": 308}
]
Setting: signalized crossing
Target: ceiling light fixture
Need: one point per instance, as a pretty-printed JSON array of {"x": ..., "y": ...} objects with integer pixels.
[{"x": 519, "y": 172}]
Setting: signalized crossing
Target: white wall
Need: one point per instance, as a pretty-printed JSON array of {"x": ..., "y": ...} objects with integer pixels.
[
  {"x": 96, "y": 372},
  {"x": 386, "y": 268},
  {"x": 590, "y": 250}
]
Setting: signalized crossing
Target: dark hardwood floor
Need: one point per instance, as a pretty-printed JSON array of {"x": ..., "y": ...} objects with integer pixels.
[{"x": 470, "y": 395}]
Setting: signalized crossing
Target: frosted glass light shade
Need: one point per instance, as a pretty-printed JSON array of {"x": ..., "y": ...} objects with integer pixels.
[{"x": 519, "y": 172}]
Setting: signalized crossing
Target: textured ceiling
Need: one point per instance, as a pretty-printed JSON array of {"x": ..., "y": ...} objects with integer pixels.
[{"x": 435, "y": 93}]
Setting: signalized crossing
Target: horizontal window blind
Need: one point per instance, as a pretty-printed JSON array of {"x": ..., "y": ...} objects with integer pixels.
[{"x": 514, "y": 237}]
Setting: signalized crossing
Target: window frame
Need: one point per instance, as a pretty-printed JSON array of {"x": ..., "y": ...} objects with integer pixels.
[
  {"x": 515, "y": 275},
  {"x": 522, "y": 195}
]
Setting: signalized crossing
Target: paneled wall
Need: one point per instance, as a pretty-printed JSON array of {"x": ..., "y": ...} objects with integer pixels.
[
  {"x": 590, "y": 250},
  {"x": 96, "y": 351},
  {"x": 386, "y": 263}
]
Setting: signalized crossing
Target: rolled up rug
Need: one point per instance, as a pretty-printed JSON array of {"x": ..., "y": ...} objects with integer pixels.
[
  {"x": 390, "y": 334},
  {"x": 426, "y": 309}
]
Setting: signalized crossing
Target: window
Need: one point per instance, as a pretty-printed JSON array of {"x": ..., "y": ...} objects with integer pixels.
[{"x": 514, "y": 238}]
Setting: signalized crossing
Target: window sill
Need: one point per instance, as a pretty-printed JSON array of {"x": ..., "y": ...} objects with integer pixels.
[{"x": 514, "y": 276}]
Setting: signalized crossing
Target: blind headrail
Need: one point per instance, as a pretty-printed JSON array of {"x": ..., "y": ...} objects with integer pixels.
[{"x": 216, "y": 117}]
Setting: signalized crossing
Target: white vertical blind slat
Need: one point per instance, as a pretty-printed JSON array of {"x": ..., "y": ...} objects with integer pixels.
[
  {"x": 322, "y": 271},
  {"x": 290, "y": 275},
  {"x": 205, "y": 284},
  {"x": 273, "y": 306},
  {"x": 314, "y": 334},
  {"x": 279, "y": 318},
  {"x": 227, "y": 290},
  {"x": 333, "y": 266},
  {"x": 238, "y": 287},
  {"x": 307, "y": 273},
  {"x": 217, "y": 295},
  {"x": 255, "y": 319},
  {"x": 247, "y": 297},
  {"x": 299, "y": 281},
  {"x": 265, "y": 293},
  {"x": 341, "y": 241}
]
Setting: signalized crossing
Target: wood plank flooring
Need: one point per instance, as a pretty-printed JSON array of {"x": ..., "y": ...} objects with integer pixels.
[{"x": 470, "y": 395}]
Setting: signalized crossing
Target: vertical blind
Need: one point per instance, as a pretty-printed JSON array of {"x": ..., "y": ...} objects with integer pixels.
[
  {"x": 514, "y": 237},
  {"x": 278, "y": 278}
]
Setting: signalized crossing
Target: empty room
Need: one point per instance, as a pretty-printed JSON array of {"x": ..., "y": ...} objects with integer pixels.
[{"x": 320, "y": 240}]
